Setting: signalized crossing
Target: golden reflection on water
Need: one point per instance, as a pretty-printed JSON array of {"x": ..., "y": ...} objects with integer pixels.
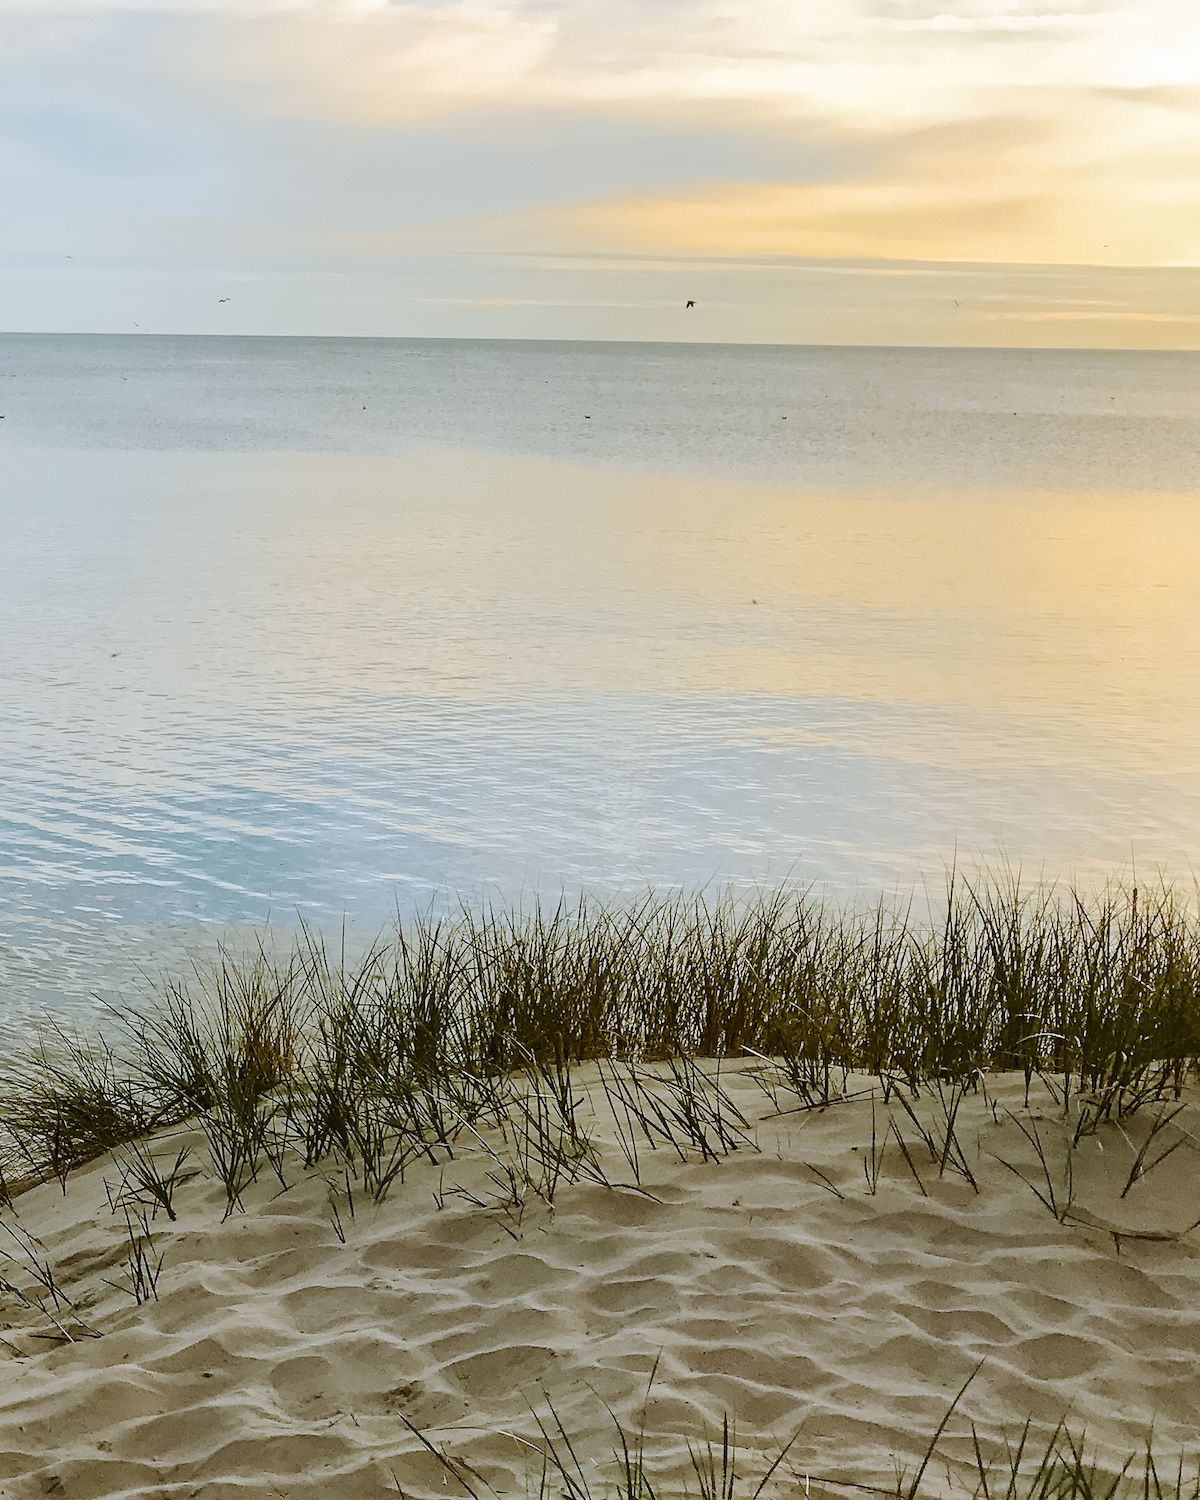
[
  {"x": 252, "y": 580},
  {"x": 1079, "y": 610},
  {"x": 1072, "y": 616}
]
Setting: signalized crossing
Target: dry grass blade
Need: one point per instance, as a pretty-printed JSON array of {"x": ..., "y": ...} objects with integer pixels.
[
  {"x": 463, "y": 1474},
  {"x": 911, "y": 1492},
  {"x": 1143, "y": 1162},
  {"x": 908, "y": 1161},
  {"x": 1058, "y": 1198}
]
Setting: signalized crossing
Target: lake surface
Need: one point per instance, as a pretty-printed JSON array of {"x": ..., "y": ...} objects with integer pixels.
[{"x": 335, "y": 628}]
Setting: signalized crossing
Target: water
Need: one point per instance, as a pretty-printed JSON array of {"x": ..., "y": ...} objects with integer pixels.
[{"x": 327, "y": 629}]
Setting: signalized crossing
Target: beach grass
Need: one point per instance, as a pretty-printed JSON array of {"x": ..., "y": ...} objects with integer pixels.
[{"x": 389, "y": 1057}]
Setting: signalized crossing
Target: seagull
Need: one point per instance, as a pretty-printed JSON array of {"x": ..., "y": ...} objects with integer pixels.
[
  {"x": 222, "y": 299},
  {"x": 691, "y": 302}
]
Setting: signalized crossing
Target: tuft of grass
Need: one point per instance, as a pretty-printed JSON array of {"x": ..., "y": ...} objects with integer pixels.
[
  {"x": 142, "y": 1266},
  {"x": 66, "y": 1102},
  {"x": 1060, "y": 1467},
  {"x": 148, "y": 1181}
]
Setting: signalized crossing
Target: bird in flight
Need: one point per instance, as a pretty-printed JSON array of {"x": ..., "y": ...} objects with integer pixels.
[
  {"x": 691, "y": 302},
  {"x": 222, "y": 299}
]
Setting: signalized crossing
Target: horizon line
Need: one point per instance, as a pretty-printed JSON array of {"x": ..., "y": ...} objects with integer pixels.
[{"x": 425, "y": 338}]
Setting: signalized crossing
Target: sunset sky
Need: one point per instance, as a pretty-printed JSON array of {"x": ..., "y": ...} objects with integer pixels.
[{"x": 863, "y": 171}]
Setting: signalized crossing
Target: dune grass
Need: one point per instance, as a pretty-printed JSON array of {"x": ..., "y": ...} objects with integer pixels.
[{"x": 389, "y": 1057}]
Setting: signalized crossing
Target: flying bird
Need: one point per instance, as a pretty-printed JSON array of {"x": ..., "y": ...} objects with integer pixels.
[
  {"x": 222, "y": 299},
  {"x": 691, "y": 302}
]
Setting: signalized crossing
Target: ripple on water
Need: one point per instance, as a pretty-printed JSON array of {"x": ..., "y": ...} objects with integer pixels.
[{"x": 254, "y": 685}]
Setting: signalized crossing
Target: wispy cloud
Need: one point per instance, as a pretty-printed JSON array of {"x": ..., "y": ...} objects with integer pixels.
[{"x": 861, "y": 61}]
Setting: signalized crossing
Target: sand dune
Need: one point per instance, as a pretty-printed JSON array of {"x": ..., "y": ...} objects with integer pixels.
[{"x": 279, "y": 1360}]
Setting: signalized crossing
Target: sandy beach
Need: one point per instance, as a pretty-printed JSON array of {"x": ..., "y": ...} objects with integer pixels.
[{"x": 312, "y": 1342}]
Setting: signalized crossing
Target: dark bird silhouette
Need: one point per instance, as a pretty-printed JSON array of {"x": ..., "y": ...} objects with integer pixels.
[
  {"x": 691, "y": 302},
  {"x": 222, "y": 299}
]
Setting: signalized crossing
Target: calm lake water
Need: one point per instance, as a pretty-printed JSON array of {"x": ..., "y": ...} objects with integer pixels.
[{"x": 330, "y": 628}]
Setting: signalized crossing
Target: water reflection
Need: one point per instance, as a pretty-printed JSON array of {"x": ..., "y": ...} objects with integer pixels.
[{"x": 248, "y": 685}]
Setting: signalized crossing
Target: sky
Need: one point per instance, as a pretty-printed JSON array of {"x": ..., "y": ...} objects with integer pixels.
[{"x": 1009, "y": 172}]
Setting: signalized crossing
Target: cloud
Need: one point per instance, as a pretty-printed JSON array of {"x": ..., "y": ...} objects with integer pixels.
[
  {"x": 1049, "y": 188},
  {"x": 328, "y": 140},
  {"x": 859, "y": 63}
]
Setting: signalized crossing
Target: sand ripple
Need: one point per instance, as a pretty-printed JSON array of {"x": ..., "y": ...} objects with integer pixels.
[{"x": 280, "y": 1361}]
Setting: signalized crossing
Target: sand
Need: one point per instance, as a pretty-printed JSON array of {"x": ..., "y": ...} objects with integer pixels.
[{"x": 278, "y": 1360}]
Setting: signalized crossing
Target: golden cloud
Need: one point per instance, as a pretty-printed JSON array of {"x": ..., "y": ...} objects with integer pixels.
[{"x": 1073, "y": 184}]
